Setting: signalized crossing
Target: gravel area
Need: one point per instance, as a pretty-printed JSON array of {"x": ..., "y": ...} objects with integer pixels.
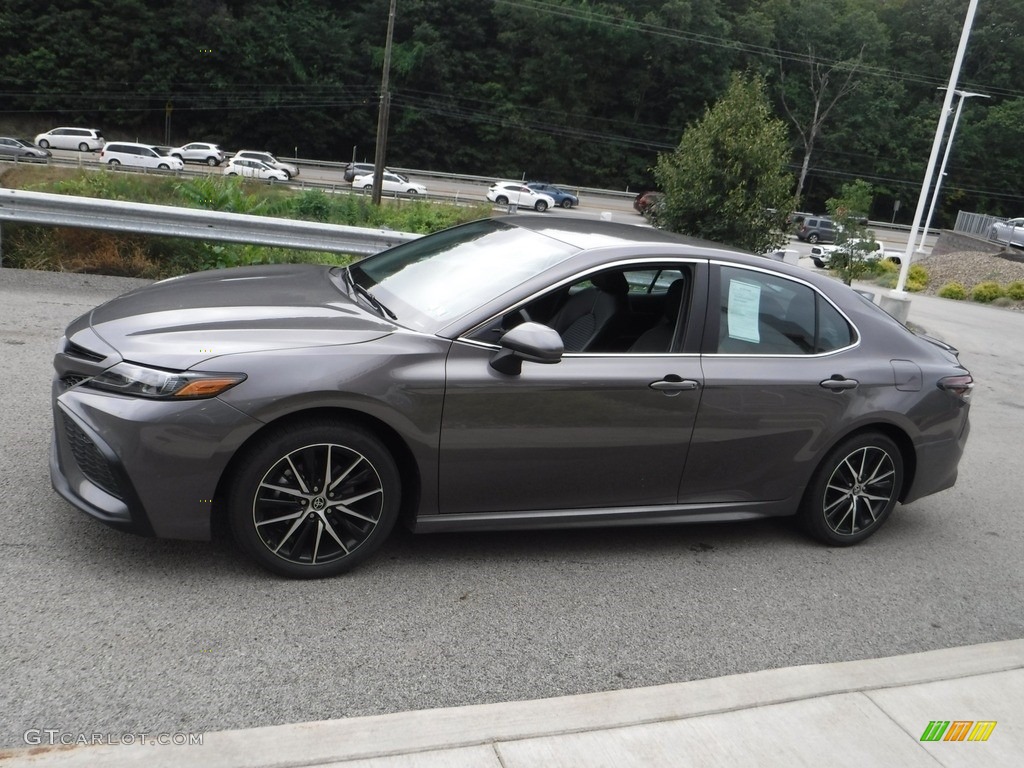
[{"x": 970, "y": 268}]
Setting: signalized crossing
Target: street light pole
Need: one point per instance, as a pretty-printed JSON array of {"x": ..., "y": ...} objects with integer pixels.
[
  {"x": 382, "y": 112},
  {"x": 964, "y": 95},
  {"x": 899, "y": 294}
]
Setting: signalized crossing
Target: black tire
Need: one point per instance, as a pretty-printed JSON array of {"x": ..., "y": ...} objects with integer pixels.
[
  {"x": 282, "y": 517},
  {"x": 83, "y": 147},
  {"x": 113, "y": 161},
  {"x": 231, "y": 173},
  {"x": 164, "y": 167},
  {"x": 813, "y": 238},
  {"x": 818, "y": 262},
  {"x": 44, "y": 144},
  {"x": 566, "y": 203},
  {"x": 501, "y": 200},
  {"x": 540, "y": 206},
  {"x": 212, "y": 161},
  {"x": 412, "y": 191},
  {"x": 854, "y": 490}
]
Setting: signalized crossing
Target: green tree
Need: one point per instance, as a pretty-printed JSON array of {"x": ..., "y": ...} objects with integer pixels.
[
  {"x": 854, "y": 240},
  {"x": 727, "y": 180}
]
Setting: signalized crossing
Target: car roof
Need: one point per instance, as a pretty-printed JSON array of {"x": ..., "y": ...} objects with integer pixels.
[{"x": 587, "y": 233}]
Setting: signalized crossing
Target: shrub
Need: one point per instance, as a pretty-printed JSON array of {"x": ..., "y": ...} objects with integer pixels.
[
  {"x": 917, "y": 278},
  {"x": 953, "y": 291},
  {"x": 1015, "y": 290},
  {"x": 986, "y": 293}
]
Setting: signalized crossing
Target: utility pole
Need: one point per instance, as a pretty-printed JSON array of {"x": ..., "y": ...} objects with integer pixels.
[{"x": 384, "y": 109}]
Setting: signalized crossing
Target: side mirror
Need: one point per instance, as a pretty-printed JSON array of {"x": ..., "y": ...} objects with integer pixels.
[{"x": 532, "y": 342}]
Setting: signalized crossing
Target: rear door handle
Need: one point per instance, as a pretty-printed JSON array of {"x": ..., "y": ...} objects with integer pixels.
[{"x": 837, "y": 383}]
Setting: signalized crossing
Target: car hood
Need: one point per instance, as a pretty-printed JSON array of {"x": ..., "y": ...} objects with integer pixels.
[{"x": 181, "y": 322}]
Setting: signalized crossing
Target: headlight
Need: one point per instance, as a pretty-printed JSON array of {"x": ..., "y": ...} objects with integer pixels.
[{"x": 135, "y": 380}]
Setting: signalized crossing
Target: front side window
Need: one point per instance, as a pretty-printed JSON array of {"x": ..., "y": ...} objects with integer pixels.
[{"x": 765, "y": 314}]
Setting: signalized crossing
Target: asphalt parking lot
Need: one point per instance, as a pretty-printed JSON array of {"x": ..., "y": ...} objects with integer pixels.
[{"x": 105, "y": 632}]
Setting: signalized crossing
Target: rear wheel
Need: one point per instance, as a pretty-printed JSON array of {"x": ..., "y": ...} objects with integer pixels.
[
  {"x": 211, "y": 161},
  {"x": 313, "y": 499},
  {"x": 114, "y": 161},
  {"x": 540, "y": 206},
  {"x": 83, "y": 147},
  {"x": 854, "y": 490},
  {"x": 501, "y": 200},
  {"x": 813, "y": 238}
]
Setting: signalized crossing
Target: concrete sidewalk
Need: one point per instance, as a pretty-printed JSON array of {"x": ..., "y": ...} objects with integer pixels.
[{"x": 857, "y": 714}]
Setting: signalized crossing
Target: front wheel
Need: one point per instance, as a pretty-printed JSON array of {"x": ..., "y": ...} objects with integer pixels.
[
  {"x": 567, "y": 203},
  {"x": 854, "y": 490},
  {"x": 164, "y": 167},
  {"x": 44, "y": 144},
  {"x": 314, "y": 498},
  {"x": 818, "y": 262},
  {"x": 540, "y": 206},
  {"x": 412, "y": 191}
]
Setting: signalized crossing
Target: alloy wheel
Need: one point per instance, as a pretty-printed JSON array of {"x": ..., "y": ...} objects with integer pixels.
[{"x": 859, "y": 491}]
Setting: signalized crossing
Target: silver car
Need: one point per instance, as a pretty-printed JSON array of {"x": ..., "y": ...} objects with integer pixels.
[
  {"x": 1010, "y": 232},
  {"x": 509, "y": 373}
]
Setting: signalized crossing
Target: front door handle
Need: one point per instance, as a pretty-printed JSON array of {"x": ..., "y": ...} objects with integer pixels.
[
  {"x": 672, "y": 385},
  {"x": 837, "y": 383}
]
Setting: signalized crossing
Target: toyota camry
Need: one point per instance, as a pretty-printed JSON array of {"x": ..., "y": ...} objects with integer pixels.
[{"x": 515, "y": 372}]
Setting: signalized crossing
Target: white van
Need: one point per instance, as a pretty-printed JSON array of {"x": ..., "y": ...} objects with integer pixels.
[
  {"x": 82, "y": 139},
  {"x": 139, "y": 156}
]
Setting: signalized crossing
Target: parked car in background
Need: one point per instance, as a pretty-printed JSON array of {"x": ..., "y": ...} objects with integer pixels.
[
  {"x": 646, "y": 203},
  {"x": 135, "y": 155},
  {"x": 22, "y": 149},
  {"x": 390, "y": 182},
  {"x": 253, "y": 169},
  {"x": 82, "y": 139},
  {"x": 517, "y": 193},
  {"x": 562, "y": 198},
  {"x": 821, "y": 255},
  {"x": 357, "y": 169},
  {"x": 199, "y": 152},
  {"x": 269, "y": 159},
  {"x": 1010, "y": 232},
  {"x": 449, "y": 381},
  {"x": 817, "y": 229}
]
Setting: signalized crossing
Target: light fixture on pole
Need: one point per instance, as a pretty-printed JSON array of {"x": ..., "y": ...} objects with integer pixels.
[
  {"x": 898, "y": 296},
  {"x": 382, "y": 113},
  {"x": 964, "y": 95}
]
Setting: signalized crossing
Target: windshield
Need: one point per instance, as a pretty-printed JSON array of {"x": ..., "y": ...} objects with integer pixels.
[{"x": 432, "y": 281}]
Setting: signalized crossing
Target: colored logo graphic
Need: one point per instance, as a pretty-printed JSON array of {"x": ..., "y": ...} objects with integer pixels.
[{"x": 958, "y": 730}]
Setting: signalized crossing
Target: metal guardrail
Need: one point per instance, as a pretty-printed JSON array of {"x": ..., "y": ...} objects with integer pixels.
[
  {"x": 977, "y": 224},
  {"x": 143, "y": 218}
]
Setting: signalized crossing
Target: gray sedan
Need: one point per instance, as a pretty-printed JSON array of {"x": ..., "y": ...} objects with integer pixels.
[
  {"x": 22, "y": 149},
  {"x": 509, "y": 373}
]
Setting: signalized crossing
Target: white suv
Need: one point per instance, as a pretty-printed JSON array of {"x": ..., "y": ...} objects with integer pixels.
[
  {"x": 82, "y": 139},
  {"x": 269, "y": 159},
  {"x": 199, "y": 152},
  {"x": 139, "y": 156},
  {"x": 517, "y": 193}
]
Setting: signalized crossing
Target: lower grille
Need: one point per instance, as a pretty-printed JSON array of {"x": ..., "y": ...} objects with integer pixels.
[{"x": 92, "y": 463}]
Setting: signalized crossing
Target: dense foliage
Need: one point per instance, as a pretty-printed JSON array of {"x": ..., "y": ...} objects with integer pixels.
[
  {"x": 727, "y": 181},
  {"x": 582, "y": 92}
]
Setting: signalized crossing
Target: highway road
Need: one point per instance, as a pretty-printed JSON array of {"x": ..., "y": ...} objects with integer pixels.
[{"x": 107, "y": 633}]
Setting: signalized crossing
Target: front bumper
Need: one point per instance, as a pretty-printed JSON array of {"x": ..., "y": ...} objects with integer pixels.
[{"x": 144, "y": 466}]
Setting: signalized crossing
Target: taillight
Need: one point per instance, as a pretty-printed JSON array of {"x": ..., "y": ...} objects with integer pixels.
[{"x": 960, "y": 386}]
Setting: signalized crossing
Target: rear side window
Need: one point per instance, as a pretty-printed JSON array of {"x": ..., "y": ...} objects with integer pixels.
[{"x": 765, "y": 314}]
